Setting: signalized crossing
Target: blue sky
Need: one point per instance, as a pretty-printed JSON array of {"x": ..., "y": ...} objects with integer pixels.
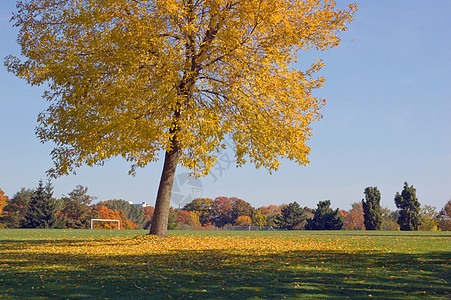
[{"x": 387, "y": 120}]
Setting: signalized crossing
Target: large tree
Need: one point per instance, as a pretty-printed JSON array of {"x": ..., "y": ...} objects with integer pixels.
[
  {"x": 222, "y": 211},
  {"x": 133, "y": 78},
  {"x": 14, "y": 212},
  {"x": 241, "y": 208},
  {"x": 353, "y": 219},
  {"x": 291, "y": 217},
  {"x": 258, "y": 219},
  {"x": 409, "y": 208},
  {"x": 372, "y": 212},
  {"x": 325, "y": 218},
  {"x": 428, "y": 218},
  {"x": 42, "y": 209},
  {"x": 203, "y": 207},
  {"x": 76, "y": 211}
]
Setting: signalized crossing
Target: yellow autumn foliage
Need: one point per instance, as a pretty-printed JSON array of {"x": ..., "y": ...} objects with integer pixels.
[{"x": 132, "y": 78}]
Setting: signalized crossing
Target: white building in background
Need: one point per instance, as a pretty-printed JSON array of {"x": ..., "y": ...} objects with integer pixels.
[{"x": 143, "y": 204}]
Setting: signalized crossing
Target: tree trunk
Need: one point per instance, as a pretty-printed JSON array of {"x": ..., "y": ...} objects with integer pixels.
[
  {"x": 159, "y": 225},
  {"x": 160, "y": 217}
]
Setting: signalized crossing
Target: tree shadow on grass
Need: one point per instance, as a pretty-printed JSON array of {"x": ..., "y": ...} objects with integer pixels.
[{"x": 213, "y": 274}]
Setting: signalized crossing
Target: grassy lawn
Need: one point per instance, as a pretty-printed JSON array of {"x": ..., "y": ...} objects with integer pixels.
[{"x": 111, "y": 264}]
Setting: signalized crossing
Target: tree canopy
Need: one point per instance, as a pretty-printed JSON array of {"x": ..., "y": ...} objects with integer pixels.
[
  {"x": 372, "y": 209},
  {"x": 203, "y": 207},
  {"x": 133, "y": 212},
  {"x": 41, "y": 210},
  {"x": 76, "y": 210},
  {"x": 133, "y": 78},
  {"x": 15, "y": 211},
  {"x": 325, "y": 218},
  {"x": 409, "y": 208},
  {"x": 353, "y": 219},
  {"x": 444, "y": 217},
  {"x": 4, "y": 200},
  {"x": 291, "y": 217}
]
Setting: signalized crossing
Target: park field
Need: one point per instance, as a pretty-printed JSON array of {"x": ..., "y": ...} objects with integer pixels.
[{"x": 113, "y": 264}]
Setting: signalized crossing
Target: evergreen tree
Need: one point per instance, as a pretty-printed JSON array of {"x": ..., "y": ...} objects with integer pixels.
[
  {"x": 372, "y": 213},
  {"x": 291, "y": 217},
  {"x": 41, "y": 211},
  {"x": 409, "y": 208},
  {"x": 76, "y": 210},
  {"x": 325, "y": 218}
]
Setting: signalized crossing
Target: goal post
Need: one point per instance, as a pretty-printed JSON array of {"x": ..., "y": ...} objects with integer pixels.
[{"x": 106, "y": 220}]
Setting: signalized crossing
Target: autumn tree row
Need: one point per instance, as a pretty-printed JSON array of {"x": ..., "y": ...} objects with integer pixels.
[
  {"x": 410, "y": 215},
  {"x": 38, "y": 209},
  {"x": 367, "y": 214}
]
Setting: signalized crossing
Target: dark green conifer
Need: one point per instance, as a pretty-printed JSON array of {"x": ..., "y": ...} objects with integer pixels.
[
  {"x": 42, "y": 209},
  {"x": 325, "y": 218},
  {"x": 75, "y": 208},
  {"x": 291, "y": 217},
  {"x": 409, "y": 208},
  {"x": 372, "y": 213}
]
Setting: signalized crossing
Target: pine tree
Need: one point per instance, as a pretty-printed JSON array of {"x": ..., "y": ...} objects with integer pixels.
[
  {"x": 409, "y": 208},
  {"x": 76, "y": 210},
  {"x": 325, "y": 218},
  {"x": 291, "y": 217},
  {"x": 41, "y": 211},
  {"x": 372, "y": 213}
]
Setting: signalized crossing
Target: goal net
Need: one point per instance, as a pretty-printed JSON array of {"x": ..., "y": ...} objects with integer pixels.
[{"x": 105, "y": 220}]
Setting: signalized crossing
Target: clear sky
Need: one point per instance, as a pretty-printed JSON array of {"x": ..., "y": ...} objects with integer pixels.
[{"x": 387, "y": 120}]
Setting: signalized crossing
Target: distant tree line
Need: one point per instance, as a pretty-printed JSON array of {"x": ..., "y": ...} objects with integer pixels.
[{"x": 37, "y": 208}]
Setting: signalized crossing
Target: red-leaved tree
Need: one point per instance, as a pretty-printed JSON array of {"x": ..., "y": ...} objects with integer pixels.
[
  {"x": 103, "y": 212},
  {"x": 353, "y": 219},
  {"x": 3, "y": 200}
]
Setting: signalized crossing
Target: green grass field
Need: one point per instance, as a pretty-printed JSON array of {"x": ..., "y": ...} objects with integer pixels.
[{"x": 111, "y": 264}]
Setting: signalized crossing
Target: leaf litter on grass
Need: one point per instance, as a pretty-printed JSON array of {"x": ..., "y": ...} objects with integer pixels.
[{"x": 246, "y": 265}]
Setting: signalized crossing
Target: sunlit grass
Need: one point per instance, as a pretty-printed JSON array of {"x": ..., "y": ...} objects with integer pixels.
[{"x": 219, "y": 264}]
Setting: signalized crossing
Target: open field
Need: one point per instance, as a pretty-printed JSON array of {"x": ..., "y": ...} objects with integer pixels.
[{"x": 112, "y": 264}]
